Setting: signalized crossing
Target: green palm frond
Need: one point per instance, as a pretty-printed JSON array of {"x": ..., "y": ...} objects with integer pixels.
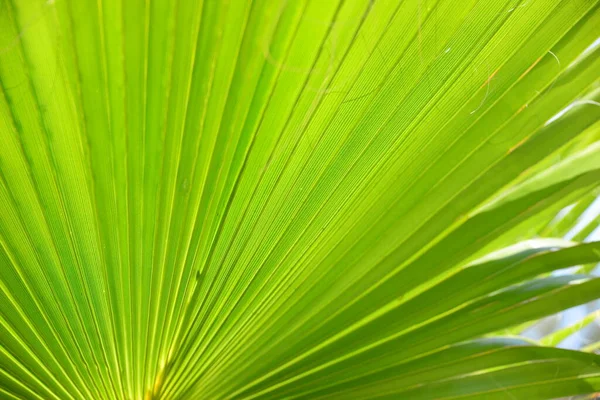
[{"x": 296, "y": 198}]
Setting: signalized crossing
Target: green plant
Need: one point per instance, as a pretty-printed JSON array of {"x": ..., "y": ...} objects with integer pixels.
[{"x": 294, "y": 199}]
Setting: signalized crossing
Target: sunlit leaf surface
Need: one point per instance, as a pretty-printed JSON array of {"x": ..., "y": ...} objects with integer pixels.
[{"x": 268, "y": 199}]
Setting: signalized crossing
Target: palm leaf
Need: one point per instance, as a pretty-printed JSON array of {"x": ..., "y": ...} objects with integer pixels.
[{"x": 294, "y": 199}]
